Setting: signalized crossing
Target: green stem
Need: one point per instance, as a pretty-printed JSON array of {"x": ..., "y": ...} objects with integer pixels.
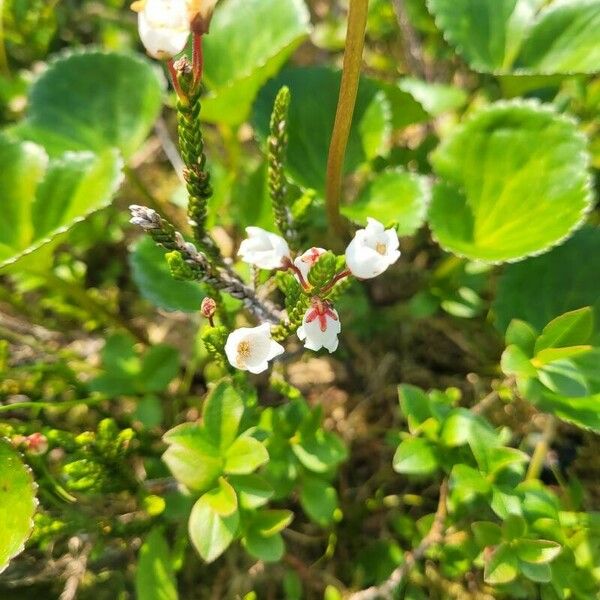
[
  {"x": 355, "y": 41},
  {"x": 541, "y": 450},
  {"x": 4, "y": 69}
]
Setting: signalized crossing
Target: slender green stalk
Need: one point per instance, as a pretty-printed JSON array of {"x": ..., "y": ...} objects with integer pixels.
[
  {"x": 4, "y": 69},
  {"x": 541, "y": 450},
  {"x": 355, "y": 41}
]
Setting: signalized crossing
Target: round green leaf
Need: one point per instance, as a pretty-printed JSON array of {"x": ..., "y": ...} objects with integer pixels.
[
  {"x": 245, "y": 455},
  {"x": 315, "y": 92},
  {"x": 151, "y": 274},
  {"x": 94, "y": 100},
  {"x": 319, "y": 500},
  {"x": 502, "y": 566},
  {"x": 531, "y": 290},
  {"x": 44, "y": 198},
  {"x": 415, "y": 456},
  {"x": 267, "y": 548},
  {"x": 394, "y": 196},
  {"x": 515, "y": 182},
  {"x": 249, "y": 42},
  {"x": 17, "y": 503}
]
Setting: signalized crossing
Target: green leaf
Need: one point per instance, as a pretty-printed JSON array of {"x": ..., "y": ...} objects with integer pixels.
[
  {"x": 550, "y": 355},
  {"x": 210, "y": 532},
  {"x": 315, "y": 92},
  {"x": 528, "y": 290},
  {"x": 540, "y": 573},
  {"x": 270, "y": 522},
  {"x": 571, "y": 329},
  {"x": 319, "y": 500},
  {"x": 467, "y": 482},
  {"x": 496, "y": 201},
  {"x": 269, "y": 549},
  {"x": 521, "y": 334},
  {"x": 564, "y": 39},
  {"x": 249, "y": 42},
  {"x": 320, "y": 451},
  {"x": 415, "y": 456},
  {"x": 394, "y": 196},
  {"x": 458, "y": 428},
  {"x": 192, "y": 457},
  {"x": 17, "y": 503},
  {"x": 160, "y": 365},
  {"x": 153, "y": 278},
  {"x": 94, "y": 100},
  {"x": 155, "y": 577},
  {"x": 514, "y": 527},
  {"x": 222, "y": 499},
  {"x": 537, "y": 551},
  {"x": 414, "y": 403},
  {"x": 502, "y": 566},
  {"x": 245, "y": 455},
  {"x": 222, "y": 413},
  {"x": 435, "y": 98},
  {"x": 487, "y": 533},
  {"x": 504, "y": 36},
  {"x": 253, "y": 491},
  {"x": 149, "y": 411},
  {"x": 42, "y": 199}
]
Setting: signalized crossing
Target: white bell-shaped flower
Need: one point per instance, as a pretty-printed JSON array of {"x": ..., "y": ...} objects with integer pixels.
[
  {"x": 320, "y": 327},
  {"x": 306, "y": 261},
  {"x": 264, "y": 249},
  {"x": 251, "y": 348},
  {"x": 372, "y": 250},
  {"x": 164, "y": 26}
]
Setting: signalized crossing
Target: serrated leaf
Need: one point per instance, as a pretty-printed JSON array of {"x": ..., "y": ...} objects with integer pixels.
[
  {"x": 17, "y": 503},
  {"x": 245, "y": 455},
  {"x": 66, "y": 110},
  {"x": 394, "y": 196},
  {"x": 222, "y": 413},
  {"x": 315, "y": 92},
  {"x": 192, "y": 457},
  {"x": 43, "y": 199},
  {"x": 249, "y": 42},
  {"x": 415, "y": 456},
  {"x": 515, "y": 182},
  {"x": 155, "y": 576},
  {"x": 153, "y": 278},
  {"x": 211, "y": 533}
]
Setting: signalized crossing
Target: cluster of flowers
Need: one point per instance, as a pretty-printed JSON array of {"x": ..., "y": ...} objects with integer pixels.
[
  {"x": 369, "y": 254},
  {"x": 165, "y": 25}
]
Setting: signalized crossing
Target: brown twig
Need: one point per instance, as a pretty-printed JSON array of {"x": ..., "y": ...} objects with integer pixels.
[
  {"x": 413, "y": 51},
  {"x": 435, "y": 535}
]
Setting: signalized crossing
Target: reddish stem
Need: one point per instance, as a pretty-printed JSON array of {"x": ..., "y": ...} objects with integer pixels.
[
  {"x": 197, "y": 58},
  {"x": 341, "y": 275},
  {"x": 175, "y": 80},
  {"x": 289, "y": 265}
]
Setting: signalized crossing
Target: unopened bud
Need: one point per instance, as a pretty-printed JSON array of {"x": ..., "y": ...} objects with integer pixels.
[
  {"x": 36, "y": 443},
  {"x": 208, "y": 308}
]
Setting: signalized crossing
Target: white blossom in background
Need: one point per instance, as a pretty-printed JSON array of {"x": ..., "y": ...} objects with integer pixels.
[
  {"x": 264, "y": 249},
  {"x": 164, "y": 26},
  {"x": 251, "y": 348},
  {"x": 306, "y": 261},
  {"x": 372, "y": 250},
  {"x": 320, "y": 327}
]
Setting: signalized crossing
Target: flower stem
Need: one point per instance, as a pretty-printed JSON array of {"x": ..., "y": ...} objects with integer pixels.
[
  {"x": 197, "y": 59},
  {"x": 355, "y": 40}
]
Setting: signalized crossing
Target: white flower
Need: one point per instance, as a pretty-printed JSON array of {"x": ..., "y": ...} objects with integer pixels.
[
  {"x": 320, "y": 327},
  {"x": 264, "y": 249},
  {"x": 372, "y": 250},
  {"x": 307, "y": 261},
  {"x": 164, "y": 26},
  {"x": 251, "y": 348}
]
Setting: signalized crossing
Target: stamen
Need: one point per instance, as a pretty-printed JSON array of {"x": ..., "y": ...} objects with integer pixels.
[
  {"x": 381, "y": 248},
  {"x": 243, "y": 352}
]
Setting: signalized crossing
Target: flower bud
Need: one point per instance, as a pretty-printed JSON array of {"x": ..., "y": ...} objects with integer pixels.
[
  {"x": 208, "y": 308},
  {"x": 263, "y": 249},
  {"x": 36, "y": 443},
  {"x": 201, "y": 12}
]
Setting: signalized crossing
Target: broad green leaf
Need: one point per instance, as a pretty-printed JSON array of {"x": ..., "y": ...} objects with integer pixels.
[
  {"x": 514, "y": 527},
  {"x": 155, "y": 577},
  {"x": 192, "y": 457},
  {"x": 523, "y": 335},
  {"x": 222, "y": 499},
  {"x": 319, "y": 500},
  {"x": 467, "y": 482},
  {"x": 564, "y": 39},
  {"x": 458, "y": 428},
  {"x": 156, "y": 284},
  {"x": 222, "y": 413},
  {"x": 43, "y": 199},
  {"x": 394, "y": 196},
  {"x": 537, "y": 551},
  {"x": 149, "y": 411},
  {"x": 415, "y": 456},
  {"x": 315, "y": 92},
  {"x": 571, "y": 329},
  {"x": 487, "y": 33},
  {"x": 266, "y": 548},
  {"x": 487, "y": 533},
  {"x": 270, "y": 522},
  {"x": 538, "y": 572},
  {"x": 211, "y": 533},
  {"x": 320, "y": 451},
  {"x": 515, "y": 182},
  {"x": 564, "y": 378},
  {"x": 435, "y": 98},
  {"x": 245, "y": 455},
  {"x": 550, "y": 355},
  {"x": 253, "y": 491},
  {"x": 539, "y": 289},
  {"x": 94, "y": 100},
  {"x": 502, "y": 566},
  {"x": 414, "y": 403},
  {"x": 160, "y": 365},
  {"x": 522, "y": 36},
  {"x": 17, "y": 503},
  {"x": 249, "y": 42}
]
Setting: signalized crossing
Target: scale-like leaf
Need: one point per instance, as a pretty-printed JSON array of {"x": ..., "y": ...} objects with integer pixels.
[
  {"x": 515, "y": 182},
  {"x": 17, "y": 503}
]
